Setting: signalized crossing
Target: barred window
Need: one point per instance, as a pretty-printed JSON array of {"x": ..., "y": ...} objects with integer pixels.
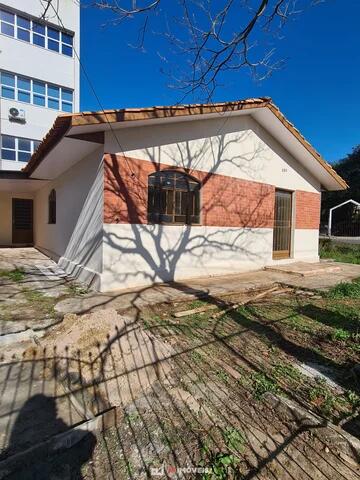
[
  {"x": 52, "y": 207},
  {"x": 173, "y": 197}
]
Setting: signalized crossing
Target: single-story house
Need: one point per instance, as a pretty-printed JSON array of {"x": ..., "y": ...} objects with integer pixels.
[{"x": 123, "y": 198}]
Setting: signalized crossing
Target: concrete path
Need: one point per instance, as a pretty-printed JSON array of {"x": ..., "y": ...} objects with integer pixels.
[
  {"x": 43, "y": 275},
  {"x": 27, "y": 298},
  {"x": 200, "y": 287}
]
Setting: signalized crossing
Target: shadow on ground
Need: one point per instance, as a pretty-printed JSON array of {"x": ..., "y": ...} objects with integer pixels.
[{"x": 178, "y": 395}]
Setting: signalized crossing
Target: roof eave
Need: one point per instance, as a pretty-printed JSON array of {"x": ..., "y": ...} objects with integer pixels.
[{"x": 63, "y": 123}]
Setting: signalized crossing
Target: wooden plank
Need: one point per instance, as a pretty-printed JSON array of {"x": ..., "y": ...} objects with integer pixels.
[
  {"x": 185, "y": 313},
  {"x": 245, "y": 302}
]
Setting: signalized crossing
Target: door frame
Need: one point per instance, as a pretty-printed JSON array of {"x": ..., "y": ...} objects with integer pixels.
[
  {"x": 26, "y": 243},
  {"x": 285, "y": 254}
]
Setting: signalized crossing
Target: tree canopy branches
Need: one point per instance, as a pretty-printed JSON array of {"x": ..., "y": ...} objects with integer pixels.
[{"x": 205, "y": 39}]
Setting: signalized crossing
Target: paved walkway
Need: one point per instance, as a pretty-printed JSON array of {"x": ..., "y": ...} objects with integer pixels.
[
  {"x": 49, "y": 279},
  {"x": 325, "y": 277}
]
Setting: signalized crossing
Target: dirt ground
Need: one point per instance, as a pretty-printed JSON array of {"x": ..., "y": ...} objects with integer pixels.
[
  {"x": 255, "y": 387},
  {"x": 198, "y": 392}
]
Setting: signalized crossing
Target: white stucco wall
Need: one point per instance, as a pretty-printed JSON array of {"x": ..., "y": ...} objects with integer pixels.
[
  {"x": 76, "y": 238},
  {"x": 238, "y": 147},
  {"x": 6, "y": 215},
  {"x": 143, "y": 254},
  {"x": 27, "y": 59},
  {"x": 306, "y": 244},
  {"x": 234, "y": 146},
  {"x": 39, "y": 63}
]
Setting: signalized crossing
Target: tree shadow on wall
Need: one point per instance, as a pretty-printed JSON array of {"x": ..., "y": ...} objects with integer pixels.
[{"x": 145, "y": 253}]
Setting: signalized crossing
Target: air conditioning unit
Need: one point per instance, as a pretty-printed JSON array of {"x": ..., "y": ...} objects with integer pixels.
[{"x": 17, "y": 115}]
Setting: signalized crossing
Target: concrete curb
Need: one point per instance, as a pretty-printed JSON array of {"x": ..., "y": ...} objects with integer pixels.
[
  {"x": 61, "y": 441},
  {"x": 305, "y": 417},
  {"x": 24, "y": 335}
]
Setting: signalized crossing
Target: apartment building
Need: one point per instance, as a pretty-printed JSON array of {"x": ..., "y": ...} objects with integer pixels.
[{"x": 39, "y": 72}]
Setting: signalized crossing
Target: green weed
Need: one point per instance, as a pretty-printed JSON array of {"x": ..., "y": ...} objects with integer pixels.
[
  {"x": 340, "y": 252},
  {"x": 322, "y": 397},
  {"x": 77, "y": 289},
  {"x": 353, "y": 398},
  {"x": 16, "y": 275},
  {"x": 345, "y": 290},
  {"x": 234, "y": 439},
  {"x": 196, "y": 304},
  {"x": 287, "y": 371},
  {"x": 223, "y": 376},
  {"x": 196, "y": 356},
  {"x": 38, "y": 300},
  {"x": 219, "y": 465},
  {"x": 262, "y": 384},
  {"x": 340, "y": 334},
  {"x": 301, "y": 324}
]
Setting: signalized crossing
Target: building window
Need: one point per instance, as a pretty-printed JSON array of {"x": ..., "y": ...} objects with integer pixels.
[
  {"x": 27, "y": 30},
  {"x": 67, "y": 44},
  {"x": 52, "y": 207},
  {"x": 39, "y": 34},
  {"x": 7, "y": 23},
  {"x": 36, "y": 92},
  {"x": 23, "y": 29},
  {"x": 173, "y": 197},
  {"x": 17, "y": 149}
]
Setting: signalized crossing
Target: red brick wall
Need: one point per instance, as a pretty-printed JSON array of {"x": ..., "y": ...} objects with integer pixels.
[
  {"x": 225, "y": 201},
  {"x": 307, "y": 214}
]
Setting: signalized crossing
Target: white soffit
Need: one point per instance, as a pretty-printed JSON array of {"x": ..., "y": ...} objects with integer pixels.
[{"x": 63, "y": 156}]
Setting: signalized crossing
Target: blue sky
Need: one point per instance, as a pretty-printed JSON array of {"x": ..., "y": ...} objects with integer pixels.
[{"x": 318, "y": 88}]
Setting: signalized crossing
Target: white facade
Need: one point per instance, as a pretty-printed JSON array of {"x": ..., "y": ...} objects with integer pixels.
[
  {"x": 35, "y": 74},
  {"x": 75, "y": 241},
  {"x": 237, "y": 147},
  {"x": 111, "y": 256},
  {"x": 115, "y": 256}
]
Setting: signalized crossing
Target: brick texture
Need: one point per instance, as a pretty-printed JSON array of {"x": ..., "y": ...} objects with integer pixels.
[
  {"x": 225, "y": 201},
  {"x": 307, "y": 215}
]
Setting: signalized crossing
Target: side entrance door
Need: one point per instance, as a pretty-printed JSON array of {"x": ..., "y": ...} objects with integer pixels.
[
  {"x": 22, "y": 221},
  {"x": 282, "y": 224}
]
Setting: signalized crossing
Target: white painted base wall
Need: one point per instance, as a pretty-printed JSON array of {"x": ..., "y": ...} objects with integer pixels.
[
  {"x": 75, "y": 241},
  {"x": 306, "y": 245},
  {"x": 137, "y": 255}
]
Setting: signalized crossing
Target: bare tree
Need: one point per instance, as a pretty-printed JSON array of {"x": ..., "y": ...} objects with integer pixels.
[{"x": 207, "y": 38}]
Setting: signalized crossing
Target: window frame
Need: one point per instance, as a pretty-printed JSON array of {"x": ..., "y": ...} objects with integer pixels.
[
  {"x": 52, "y": 207},
  {"x": 191, "y": 218},
  {"x": 19, "y": 27},
  {"x": 17, "y": 151},
  {"x": 8, "y": 23},
  {"x": 62, "y": 44},
  {"x": 63, "y": 91}
]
